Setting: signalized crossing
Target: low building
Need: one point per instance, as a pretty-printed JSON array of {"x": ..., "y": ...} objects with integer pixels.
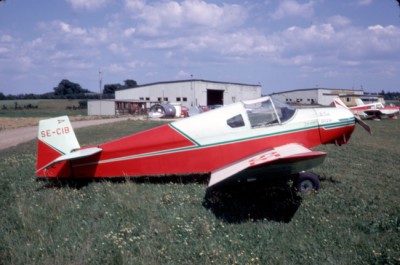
[
  {"x": 372, "y": 98},
  {"x": 318, "y": 96},
  {"x": 190, "y": 93},
  {"x": 101, "y": 107},
  {"x": 111, "y": 107}
]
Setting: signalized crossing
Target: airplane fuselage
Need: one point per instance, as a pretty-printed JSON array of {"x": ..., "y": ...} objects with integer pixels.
[{"x": 206, "y": 142}]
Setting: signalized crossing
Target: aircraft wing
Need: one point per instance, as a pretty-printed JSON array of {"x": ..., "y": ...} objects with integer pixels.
[
  {"x": 372, "y": 112},
  {"x": 291, "y": 153},
  {"x": 378, "y": 112}
]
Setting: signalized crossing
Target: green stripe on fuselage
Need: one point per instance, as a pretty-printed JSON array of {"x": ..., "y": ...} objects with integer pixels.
[{"x": 199, "y": 146}]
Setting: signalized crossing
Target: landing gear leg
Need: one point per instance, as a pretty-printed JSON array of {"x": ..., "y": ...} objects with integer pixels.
[{"x": 306, "y": 181}]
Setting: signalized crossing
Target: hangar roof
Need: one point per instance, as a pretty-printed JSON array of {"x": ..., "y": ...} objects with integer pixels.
[
  {"x": 193, "y": 80},
  {"x": 317, "y": 88}
]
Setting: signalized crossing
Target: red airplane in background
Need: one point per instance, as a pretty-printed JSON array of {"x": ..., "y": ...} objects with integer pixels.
[{"x": 253, "y": 138}]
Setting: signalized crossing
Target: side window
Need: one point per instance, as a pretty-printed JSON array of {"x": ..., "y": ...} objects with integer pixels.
[
  {"x": 287, "y": 113},
  {"x": 235, "y": 121}
]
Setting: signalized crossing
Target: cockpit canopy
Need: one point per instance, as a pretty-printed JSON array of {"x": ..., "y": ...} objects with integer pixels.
[{"x": 266, "y": 111}]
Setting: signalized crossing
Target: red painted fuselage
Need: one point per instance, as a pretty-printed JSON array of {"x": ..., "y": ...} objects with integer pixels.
[{"x": 198, "y": 145}]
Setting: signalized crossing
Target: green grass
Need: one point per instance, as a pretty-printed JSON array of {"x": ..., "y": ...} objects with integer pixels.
[
  {"x": 45, "y": 108},
  {"x": 353, "y": 219}
]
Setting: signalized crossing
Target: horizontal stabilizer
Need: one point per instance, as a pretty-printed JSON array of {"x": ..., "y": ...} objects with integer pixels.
[
  {"x": 293, "y": 152},
  {"x": 74, "y": 155}
]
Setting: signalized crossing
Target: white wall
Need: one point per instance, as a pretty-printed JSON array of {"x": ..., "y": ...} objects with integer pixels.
[
  {"x": 195, "y": 92},
  {"x": 101, "y": 107},
  {"x": 321, "y": 96},
  {"x": 309, "y": 96}
]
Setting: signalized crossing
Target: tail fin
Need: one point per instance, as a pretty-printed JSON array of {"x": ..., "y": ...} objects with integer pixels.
[
  {"x": 337, "y": 102},
  {"x": 57, "y": 144},
  {"x": 55, "y": 138},
  {"x": 359, "y": 102}
]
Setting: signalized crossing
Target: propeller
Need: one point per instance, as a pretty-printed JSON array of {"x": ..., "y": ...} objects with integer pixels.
[
  {"x": 362, "y": 123},
  {"x": 337, "y": 102}
]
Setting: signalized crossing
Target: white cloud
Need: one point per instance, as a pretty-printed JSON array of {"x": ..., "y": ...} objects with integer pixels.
[
  {"x": 384, "y": 39},
  {"x": 336, "y": 42},
  {"x": 302, "y": 59},
  {"x": 161, "y": 17},
  {"x": 388, "y": 30},
  {"x": 129, "y": 32},
  {"x": 339, "y": 21},
  {"x": 298, "y": 41},
  {"x": 87, "y": 4},
  {"x": 291, "y": 8},
  {"x": 119, "y": 49},
  {"x": 36, "y": 42},
  {"x": 78, "y": 64},
  {"x": 322, "y": 44},
  {"x": 66, "y": 28},
  {"x": 60, "y": 55},
  {"x": 115, "y": 68},
  {"x": 97, "y": 36},
  {"x": 25, "y": 62},
  {"x": 135, "y": 5},
  {"x": 6, "y": 38},
  {"x": 182, "y": 74},
  {"x": 55, "y": 33},
  {"x": 205, "y": 14},
  {"x": 364, "y": 2},
  {"x": 246, "y": 43},
  {"x": 197, "y": 34},
  {"x": 6, "y": 43},
  {"x": 137, "y": 64}
]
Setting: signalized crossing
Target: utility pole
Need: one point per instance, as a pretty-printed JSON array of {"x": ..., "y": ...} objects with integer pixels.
[
  {"x": 100, "y": 83},
  {"x": 101, "y": 92}
]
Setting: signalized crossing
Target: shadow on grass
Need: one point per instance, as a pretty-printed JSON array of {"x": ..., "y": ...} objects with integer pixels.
[
  {"x": 253, "y": 202},
  {"x": 234, "y": 203},
  {"x": 78, "y": 183}
]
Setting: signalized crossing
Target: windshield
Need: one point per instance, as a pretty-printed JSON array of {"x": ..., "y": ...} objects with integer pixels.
[{"x": 266, "y": 112}]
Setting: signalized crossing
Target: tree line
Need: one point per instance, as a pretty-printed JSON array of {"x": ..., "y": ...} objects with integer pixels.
[
  {"x": 70, "y": 90},
  {"x": 390, "y": 95}
]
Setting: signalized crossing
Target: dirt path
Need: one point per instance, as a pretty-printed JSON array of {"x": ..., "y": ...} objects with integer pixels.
[{"x": 13, "y": 137}]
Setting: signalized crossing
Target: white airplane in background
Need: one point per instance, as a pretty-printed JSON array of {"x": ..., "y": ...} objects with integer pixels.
[{"x": 374, "y": 110}]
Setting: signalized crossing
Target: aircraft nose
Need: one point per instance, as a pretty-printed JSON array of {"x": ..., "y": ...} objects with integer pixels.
[{"x": 335, "y": 125}]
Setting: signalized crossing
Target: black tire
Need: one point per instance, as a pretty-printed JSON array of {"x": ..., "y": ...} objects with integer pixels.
[{"x": 306, "y": 181}]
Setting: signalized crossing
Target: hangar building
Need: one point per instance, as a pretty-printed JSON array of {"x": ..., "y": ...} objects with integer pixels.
[
  {"x": 192, "y": 92},
  {"x": 189, "y": 93},
  {"x": 318, "y": 96}
]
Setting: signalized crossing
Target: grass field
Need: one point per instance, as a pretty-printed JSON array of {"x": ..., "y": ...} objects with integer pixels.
[
  {"x": 40, "y": 108},
  {"x": 353, "y": 219}
]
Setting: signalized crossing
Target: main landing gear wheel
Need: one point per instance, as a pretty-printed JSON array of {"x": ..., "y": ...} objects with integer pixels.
[{"x": 306, "y": 181}]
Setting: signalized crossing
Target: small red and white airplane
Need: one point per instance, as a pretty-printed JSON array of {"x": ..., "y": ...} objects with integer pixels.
[
  {"x": 374, "y": 110},
  {"x": 241, "y": 141}
]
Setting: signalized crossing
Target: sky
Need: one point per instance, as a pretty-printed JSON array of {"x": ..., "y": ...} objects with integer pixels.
[{"x": 282, "y": 45}]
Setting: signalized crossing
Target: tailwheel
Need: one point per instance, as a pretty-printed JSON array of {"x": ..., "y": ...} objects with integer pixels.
[{"x": 306, "y": 181}]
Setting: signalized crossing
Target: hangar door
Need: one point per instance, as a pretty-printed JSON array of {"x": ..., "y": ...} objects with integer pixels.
[{"x": 215, "y": 97}]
